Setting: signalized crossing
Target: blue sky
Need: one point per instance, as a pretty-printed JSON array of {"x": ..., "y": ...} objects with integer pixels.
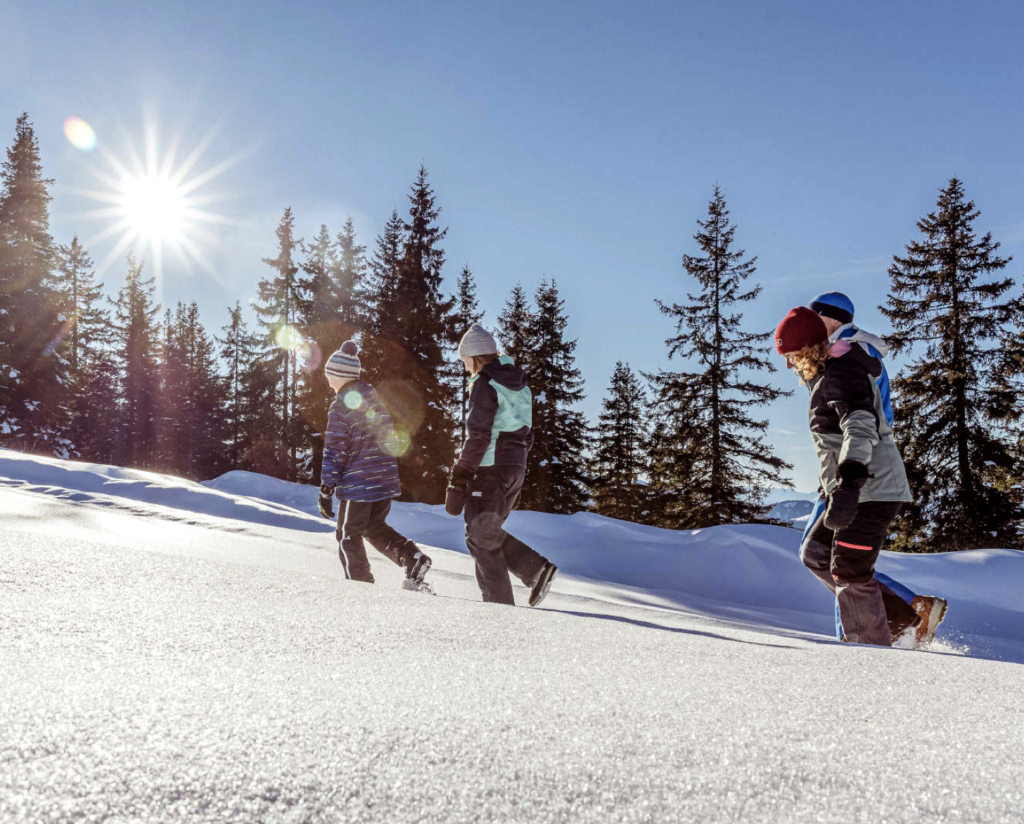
[{"x": 573, "y": 141}]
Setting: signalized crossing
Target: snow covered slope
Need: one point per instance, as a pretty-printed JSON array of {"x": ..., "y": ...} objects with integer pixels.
[
  {"x": 163, "y": 661},
  {"x": 748, "y": 574}
]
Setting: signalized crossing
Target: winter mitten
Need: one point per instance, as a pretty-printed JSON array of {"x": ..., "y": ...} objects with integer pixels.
[
  {"x": 326, "y": 502},
  {"x": 461, "y": 475},
  {"x": 842, "y": 508},
  {"x": 852, "y": 473},
  {"x": 455, "y": 499},
  {"x": 842, "y": 505}
]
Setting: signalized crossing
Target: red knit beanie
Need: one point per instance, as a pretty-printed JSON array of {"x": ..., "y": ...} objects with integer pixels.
[{"x": 801, "y": 327}]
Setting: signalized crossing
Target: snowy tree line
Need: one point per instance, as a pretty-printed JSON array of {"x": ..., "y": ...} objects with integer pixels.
[{"x": 126, "y": 381}]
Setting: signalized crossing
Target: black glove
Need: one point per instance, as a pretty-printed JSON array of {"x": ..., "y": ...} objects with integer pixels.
[
  {"x": 455, "y": 494},
  {"x": 326, "y": 501},
  {"x": 842, "y": 504},
  {"x": 461, "y": 476},
  {"x": 455, "y": 499}
]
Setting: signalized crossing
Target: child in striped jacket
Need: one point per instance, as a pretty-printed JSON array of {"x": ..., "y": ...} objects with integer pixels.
[{"x": 360, "y": 467}]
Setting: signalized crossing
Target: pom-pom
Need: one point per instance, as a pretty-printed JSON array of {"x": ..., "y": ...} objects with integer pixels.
[{"x": 350, "y": 347}]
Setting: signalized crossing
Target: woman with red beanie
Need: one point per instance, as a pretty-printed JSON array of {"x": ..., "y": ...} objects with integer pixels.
[{"x": 861, "y": 472}]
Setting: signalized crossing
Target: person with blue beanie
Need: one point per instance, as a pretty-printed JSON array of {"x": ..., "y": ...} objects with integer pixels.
[
  {"x": 360, "y": 467},
  {"x": 837, "y": 311}
]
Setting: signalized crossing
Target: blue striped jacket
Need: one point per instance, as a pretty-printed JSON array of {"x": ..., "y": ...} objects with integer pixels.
[{"x": 360, "y": 446}]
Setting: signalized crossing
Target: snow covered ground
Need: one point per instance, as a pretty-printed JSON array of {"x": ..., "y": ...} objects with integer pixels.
[{"x": 173, "y": 651}]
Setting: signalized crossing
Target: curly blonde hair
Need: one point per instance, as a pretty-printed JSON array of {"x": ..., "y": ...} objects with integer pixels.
[{"x": 810, "y": 360}]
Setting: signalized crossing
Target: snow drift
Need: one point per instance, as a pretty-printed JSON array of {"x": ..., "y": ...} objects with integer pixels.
[{"x": 747, "y": 574}]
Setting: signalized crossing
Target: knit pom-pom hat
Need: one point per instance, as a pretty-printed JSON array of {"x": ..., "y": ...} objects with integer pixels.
[
  {"x": 345, "y": 362},
  {"x": 801, "y": 327}
]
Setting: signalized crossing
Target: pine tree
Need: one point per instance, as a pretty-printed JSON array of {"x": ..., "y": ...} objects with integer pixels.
[
  {"x": 204, "y": 454},
  {"x": 171, "y": 425},
  {"x": 722, "y": 464},
  {"x": 467, "y": 312},
  {"x": 34, "y": 411},
  {"x": 413, "y": 325},
  {"x": 380, "y": 299},
  {"x": 251, "y": 421},
  {"x": 278, "y": 314},
  {"x": 620, "y": 449},
  {"x": 947, "y": 299},
  {"x": 239, "y": 353},
  {"x": 514, "y": 324},
  {"x": 319, "y": 313},
  {"x": 558, "y": 477},
  {"x": 350, "y": 284},
  {"x": 81, "y": 297},
  {"x": 192, "y": 432},
  {"x": 1008, "y": 388},
  {"x": 88, "y": 339},
  {"x": 137, "y": 337}
]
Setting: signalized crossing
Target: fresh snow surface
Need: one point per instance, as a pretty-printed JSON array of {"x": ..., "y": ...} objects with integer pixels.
[{"x": 180, "y": 652}]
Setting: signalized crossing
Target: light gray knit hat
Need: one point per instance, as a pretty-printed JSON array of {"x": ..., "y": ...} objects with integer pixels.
[
  {"x": 477, "y": 341},
  {"x": 345, "y": 362}
]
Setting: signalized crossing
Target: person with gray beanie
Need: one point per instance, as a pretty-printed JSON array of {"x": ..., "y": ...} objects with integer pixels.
[
  {"x": 360, "y": 467},
  {"x": 489, "y": 473}
]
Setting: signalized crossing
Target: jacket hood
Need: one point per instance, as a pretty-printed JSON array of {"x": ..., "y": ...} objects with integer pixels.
[
  {"x": 505, "y": 372},
  {"x": 852, "y": 333}
]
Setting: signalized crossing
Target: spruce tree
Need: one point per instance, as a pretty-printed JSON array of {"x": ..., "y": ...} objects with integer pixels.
[
  {"x": 81, "y": 303},
  {"x": 137, "y": 340},
  {"x": 204, "y": 453},
  {"x": 34, "y": 412},
  {"x": 380, "y": 299},
  {"x": 467, "y": 312},
  {"x": 171, "y": 425},
  {"x": 723, "y": 462},
  {"x": 558, "y": 478},
  {"x": 239, "y": 354},
  {"x": 620, "y": 449},
  {"x": 414, "y": 328},
  {"x": 319, "y": 317},
  {"x": 948, "y": 306},
  {"x": 1008, "y": 475},
  {"x": 278, "y": 314},
  {"x": 350, "y": 285},
  {"x": 87, "y": 346},
  {"x": 514, "y": 324}
]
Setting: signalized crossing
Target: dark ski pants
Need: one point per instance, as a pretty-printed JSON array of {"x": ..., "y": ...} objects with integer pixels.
[
  {"x": 490, "y": 498},
  {"x": 359, "y": 520},
  {"x": 844, "y": 561},
  {"x": 890, "y": 586}
]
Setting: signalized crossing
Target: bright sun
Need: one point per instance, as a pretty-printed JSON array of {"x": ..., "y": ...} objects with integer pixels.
[
  {"x": 157, "y": 203},
  {"x": 154, "y": 208}
]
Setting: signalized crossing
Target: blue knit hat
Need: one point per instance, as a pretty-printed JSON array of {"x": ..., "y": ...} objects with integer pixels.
[
  {"x": 345, "y": 362},
  {"x": 834, "y": 305}
]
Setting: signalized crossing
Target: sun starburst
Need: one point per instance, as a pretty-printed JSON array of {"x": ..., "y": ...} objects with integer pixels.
[{"x": 154, "y": 204}]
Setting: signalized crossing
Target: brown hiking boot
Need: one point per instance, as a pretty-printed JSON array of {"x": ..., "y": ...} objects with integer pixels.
[{"x": 932, "y": 610}]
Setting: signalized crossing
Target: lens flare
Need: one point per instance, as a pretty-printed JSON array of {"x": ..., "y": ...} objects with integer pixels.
[
  {"x": 397, "y": 443},
  {"x": 80, "y": 134},
  {"x": 353, "y": 400},
  {"x": 288, "y": 338},
  {"x": 311, "y": 355}
]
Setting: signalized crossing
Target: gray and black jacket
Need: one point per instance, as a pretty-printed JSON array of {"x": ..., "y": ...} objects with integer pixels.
[
  {"x": 500, "y": 420},
  {"x": 848, "y": 423}
]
